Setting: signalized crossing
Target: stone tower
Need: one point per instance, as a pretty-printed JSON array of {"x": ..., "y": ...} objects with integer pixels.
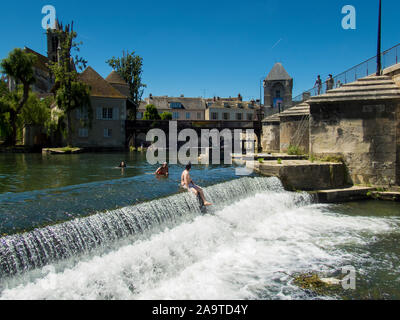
[
  {"x": 53, "y": 42},
  {"x": 278, "y": 87}
]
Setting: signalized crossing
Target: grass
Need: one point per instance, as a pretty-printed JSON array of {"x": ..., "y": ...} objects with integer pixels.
[{"x": 295, "y": 151}]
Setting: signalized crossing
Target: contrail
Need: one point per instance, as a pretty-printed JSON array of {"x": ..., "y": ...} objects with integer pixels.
[{"x": 276, "y": 43}]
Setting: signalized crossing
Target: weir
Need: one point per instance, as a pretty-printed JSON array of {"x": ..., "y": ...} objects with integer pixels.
[{"x": 35, "y": 249}]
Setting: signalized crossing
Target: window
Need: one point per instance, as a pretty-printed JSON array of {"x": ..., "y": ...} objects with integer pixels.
[
  {"x": 227, "y": 116},
  {"x": 278, "y": 94},
  {"x": 175, "y": 115},
  {"x": 107, "y": 113},
  {"x": 240, "y": 105},
  {"x": 214, "y": 116},
  {"x": 83, "y": 133},
  {"x": 226, "y": 105},
  {"x": 82, "y": 114},
  {"x": 140, "y": 115},
  {"x": 175, "y": 105},
  {"x": 239, "y": 116},
  {"x": 107, "y": 133},
  {"x": 249, "y": 117},
  {"x": 198, "y": 115},
  {"x": 188, "y": 116}
]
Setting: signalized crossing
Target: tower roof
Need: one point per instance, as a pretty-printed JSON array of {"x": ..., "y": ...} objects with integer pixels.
[
  {"x": 115, "y": 78},
  {"x": 99, "y": 86},
  {"x": 278, "y": 72}
]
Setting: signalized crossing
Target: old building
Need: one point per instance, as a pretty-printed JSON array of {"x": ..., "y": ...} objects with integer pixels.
[
  {"x": 278, "y": 87},
  {"x": 295, "y": 129},
  {"x": 360, "y": 122},
  {"x": 109, "y": 114},
  {"x": 270, "y": 139},
  {"x": 231, "y": 110},
  {"x": 181, "y": 108}
]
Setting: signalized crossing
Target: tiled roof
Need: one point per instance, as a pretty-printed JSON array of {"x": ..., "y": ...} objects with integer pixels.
[
  {"x": 99, "y": 86},
  {"x": 41, "y": 62},
  {"x": 302, "y": 109},
  {"x": 115, "y": 78}
]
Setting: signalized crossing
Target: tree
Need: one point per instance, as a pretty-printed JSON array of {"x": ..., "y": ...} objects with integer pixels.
[
  {"x": 19, "y": 66},
  {"x": 151, "y": 113},
  {"x": 71, "y": 94},
  {"x": 166, "y": 116},
  {"x": 130, "y": 68}
]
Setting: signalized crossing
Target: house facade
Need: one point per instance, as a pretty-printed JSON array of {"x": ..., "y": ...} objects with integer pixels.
[{"x": 107, "y": 129}]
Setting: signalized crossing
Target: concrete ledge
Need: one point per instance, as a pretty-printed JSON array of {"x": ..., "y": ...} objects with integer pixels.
[
  {"x": 303, "y": 174},
  {"x": 343, "y": 195},
  {"x": 387, "y": 196}
]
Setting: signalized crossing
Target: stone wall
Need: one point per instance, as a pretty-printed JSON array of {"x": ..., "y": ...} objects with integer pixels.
[
  {"x": 294, "y": 131},
  {"x": 270, "y": 137},
  {"x": 364, "y": 133},
  {"x": 398, "y": 145}
]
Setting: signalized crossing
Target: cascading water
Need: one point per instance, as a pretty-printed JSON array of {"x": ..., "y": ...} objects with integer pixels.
[
  {"x": 35, "y": 249},
  {"x": 256, "y": 236}
]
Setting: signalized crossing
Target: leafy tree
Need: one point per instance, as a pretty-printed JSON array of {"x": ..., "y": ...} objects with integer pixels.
[
  {"x": 130, "y": 68},
  {"x": 71, "y": 94},
  {"x": 166, "y": 116},
  {"x": 19, "y": 66},
  {"x": 151, "y": 113}
]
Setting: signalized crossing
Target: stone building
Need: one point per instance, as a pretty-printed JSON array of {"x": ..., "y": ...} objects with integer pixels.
[
  {"x": 361, "y": 123},
  {"x": 278, "y": 87},
  {"x": 294, "y": 128},
  {"x": 109, "y": 115},
  {"x": 270, "y": 139}
]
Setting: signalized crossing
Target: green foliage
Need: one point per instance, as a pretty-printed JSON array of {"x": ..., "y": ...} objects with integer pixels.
[
  {"x": 311, "y": 158},
  {"x": 19, "y": 66},
  {"x": 151, "y": 113},
  {"x": 279, "y": 161},
  {"x": 260, "y": 160},
  {"x": 167, "y": 116},
  {"x": 295, "y": 151},
  {"x": 71, "y": 94},
  {"x": 130, "y": 68}
]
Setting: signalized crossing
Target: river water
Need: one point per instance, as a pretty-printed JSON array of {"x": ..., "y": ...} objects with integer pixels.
[{"x": 246, "y": 246}]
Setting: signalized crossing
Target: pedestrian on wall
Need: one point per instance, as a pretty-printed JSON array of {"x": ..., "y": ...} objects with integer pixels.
[{"x": 318, "y": 84}]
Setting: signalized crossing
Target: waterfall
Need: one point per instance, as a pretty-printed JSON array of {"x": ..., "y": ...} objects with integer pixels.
[{"x": 35, "y": 249}]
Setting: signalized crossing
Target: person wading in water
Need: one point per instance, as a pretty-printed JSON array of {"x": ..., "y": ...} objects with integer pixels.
[
  {"x": 187, "y": 183},
  {"x": 163, "y": 171}
]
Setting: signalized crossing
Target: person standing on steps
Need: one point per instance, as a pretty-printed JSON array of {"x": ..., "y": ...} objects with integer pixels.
[{"x": 187, "y": 183}]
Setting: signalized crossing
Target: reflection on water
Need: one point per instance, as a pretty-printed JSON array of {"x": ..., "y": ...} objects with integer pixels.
[{"x": 37, "y": 190}]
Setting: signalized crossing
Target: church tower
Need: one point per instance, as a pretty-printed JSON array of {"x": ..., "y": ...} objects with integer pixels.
[
  {"x": 53, "y": 42},
  {"x": 278, "y": 87}
]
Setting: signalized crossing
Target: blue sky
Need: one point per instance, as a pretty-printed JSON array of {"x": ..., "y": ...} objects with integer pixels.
[{"x": 215, "y": 47}]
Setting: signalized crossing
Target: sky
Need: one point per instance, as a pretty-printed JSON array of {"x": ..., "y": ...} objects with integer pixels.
[{"x": 211, "y": 48}]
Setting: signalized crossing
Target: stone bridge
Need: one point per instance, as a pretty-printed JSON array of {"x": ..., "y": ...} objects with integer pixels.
[{"x": 136, "y": 131}]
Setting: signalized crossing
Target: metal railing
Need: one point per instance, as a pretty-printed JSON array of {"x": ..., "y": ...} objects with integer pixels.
[{"x": 390, "y": 57}]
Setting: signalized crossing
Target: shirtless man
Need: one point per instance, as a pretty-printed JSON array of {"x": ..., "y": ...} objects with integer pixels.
[{"x": 187, "y": 183}]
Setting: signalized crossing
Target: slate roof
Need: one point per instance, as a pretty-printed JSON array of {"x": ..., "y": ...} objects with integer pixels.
[
  {"x": 41, "y": 61},
  {"x": 278, "y": 72}
]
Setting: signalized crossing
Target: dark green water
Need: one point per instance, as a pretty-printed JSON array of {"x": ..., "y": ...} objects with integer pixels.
[{"x": 37, "y": 189}]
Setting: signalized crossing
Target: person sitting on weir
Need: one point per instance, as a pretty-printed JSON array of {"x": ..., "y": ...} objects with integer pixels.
[
  {"x": 187, "y": 183},
  {"x": 163, "y": 170},
  {"x": 122, "y": 165}
]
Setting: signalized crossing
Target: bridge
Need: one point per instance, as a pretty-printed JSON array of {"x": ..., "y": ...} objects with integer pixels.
[{"x": 137, "y": 130}]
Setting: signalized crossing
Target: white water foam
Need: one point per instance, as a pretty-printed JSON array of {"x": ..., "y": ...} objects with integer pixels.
[{"x": 243, "y": 251}]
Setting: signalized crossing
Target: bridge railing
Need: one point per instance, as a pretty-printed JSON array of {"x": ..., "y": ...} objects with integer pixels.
[{"x": 390, "y": 57}]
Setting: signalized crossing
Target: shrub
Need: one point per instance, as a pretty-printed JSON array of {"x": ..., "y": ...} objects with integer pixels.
[{"x": 295, "y": 151}]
